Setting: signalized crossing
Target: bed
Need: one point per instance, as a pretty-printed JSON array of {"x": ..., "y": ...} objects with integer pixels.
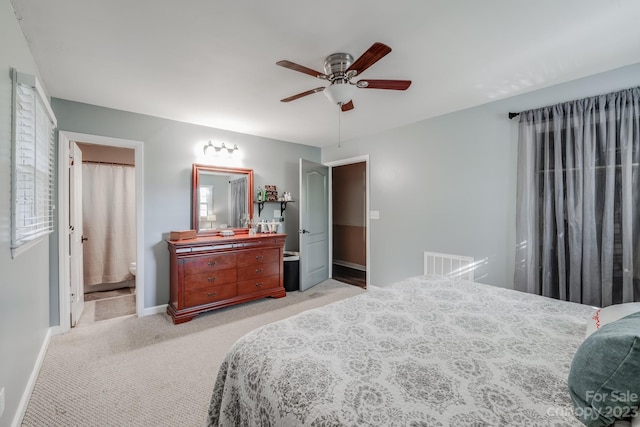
[{"x": 426, "y": 351}]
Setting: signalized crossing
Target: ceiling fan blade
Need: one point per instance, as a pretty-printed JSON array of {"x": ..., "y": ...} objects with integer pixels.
[
  {"x": 375, "y": 53},
  {"x": 348, "y": 106},
  {"x": 300, "y": 95},
  {"x": 295, "y": 67},
  {"x": 384, "y": 84}
]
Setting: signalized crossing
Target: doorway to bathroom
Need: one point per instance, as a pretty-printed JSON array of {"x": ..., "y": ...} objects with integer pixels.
[
  {"x": 100, "y": 199},
  {"x": 109, "y": 232}
]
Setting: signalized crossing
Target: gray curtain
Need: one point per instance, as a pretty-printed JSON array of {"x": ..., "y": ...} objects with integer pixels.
[
  {"x": 578, "y": 221},
  {"x": 238, "y": 214}
]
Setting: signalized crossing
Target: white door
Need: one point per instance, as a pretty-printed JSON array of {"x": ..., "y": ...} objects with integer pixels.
[
  {"x": 314, "y": 224},
  {"x": 75, "y": 233}
]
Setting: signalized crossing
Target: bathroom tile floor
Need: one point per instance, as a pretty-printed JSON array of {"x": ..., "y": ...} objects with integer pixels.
[{"x": 92, "y": 296}]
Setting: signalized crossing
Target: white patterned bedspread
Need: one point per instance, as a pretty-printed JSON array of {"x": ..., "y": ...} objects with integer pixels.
[{"x": 427, "y": 351}]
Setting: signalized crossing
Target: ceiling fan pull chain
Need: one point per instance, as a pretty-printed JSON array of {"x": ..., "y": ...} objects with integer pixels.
[{"x": 339, "y": 124}]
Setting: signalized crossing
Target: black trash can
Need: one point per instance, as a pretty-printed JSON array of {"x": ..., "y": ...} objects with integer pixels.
[{"x": 291, "y": 271}]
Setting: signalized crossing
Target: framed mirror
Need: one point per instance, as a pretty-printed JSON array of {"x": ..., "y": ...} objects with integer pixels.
[{"x": 222, "y": 198}]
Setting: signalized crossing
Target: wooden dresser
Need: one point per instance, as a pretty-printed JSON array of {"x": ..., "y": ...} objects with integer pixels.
[{"x": 215, "y": 272}]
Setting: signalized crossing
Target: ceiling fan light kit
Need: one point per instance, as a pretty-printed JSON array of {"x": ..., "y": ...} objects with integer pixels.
[
  {"x": 340, "y": 93},
  {"x": 339, "y": 69}
]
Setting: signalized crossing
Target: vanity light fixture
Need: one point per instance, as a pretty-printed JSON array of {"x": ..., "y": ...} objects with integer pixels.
[{"x": 222, "y": 148}]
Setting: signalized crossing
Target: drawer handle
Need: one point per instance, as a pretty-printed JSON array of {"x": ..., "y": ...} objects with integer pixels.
[
  {"x": 212, "y": 279},
  {"x": 212, "y": 294},
  {"x": 259, "y": 257},
  {"x": 212, "y": 264},
  {"x": 259, "y": 270},
  {"x": 258, "y": 284}
]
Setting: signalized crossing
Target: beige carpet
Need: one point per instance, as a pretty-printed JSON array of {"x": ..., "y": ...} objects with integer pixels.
[{"x": 146, "y": 371}]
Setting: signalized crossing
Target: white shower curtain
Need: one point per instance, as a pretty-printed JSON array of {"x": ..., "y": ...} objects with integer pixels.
[{"x": 108, "y": 214}]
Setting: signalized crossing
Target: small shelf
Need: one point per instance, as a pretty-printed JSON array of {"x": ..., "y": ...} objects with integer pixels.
[{"x": 283, "y": 205}]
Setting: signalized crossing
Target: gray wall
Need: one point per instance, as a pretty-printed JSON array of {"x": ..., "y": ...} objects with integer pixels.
[
  {"x": 24, "y": 281},
  {"x": 170, "y": 148},
  {"x": 448, "y": 184},
  {"x": 445, "y": 184}
]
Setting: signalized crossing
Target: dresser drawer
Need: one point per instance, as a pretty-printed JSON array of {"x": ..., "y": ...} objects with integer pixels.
[
  {"x": 264, "y": 241},
  {"x": 264, "y": 256},
  {"x": 209, "y": 295},
  {"x": 204, "y": 264},
  {"x": 257, "y": 271},
  {"x": 212, "y": 278},
  {"x": 256, "y": 285}
]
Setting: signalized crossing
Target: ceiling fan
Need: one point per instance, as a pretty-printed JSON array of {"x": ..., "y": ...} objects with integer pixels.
[{"x": 339, "y": 69}]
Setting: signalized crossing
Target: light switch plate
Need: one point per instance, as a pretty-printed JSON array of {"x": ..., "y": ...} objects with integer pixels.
[{"x": 374, "y": 214}]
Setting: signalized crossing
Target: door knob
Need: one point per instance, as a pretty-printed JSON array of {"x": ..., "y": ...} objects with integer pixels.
[{"x": 303, "y": 231}]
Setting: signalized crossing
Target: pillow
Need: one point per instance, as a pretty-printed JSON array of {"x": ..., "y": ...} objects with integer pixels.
[
  {"x": 611, "y": 314},
  {"x": 604, "y": 381},
  {"x": 635, "y": 422}
]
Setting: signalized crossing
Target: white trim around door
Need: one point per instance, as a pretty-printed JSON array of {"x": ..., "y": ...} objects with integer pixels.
[
  {"x": 63, "y": 217},
  {"x": 351, "y": 160}
]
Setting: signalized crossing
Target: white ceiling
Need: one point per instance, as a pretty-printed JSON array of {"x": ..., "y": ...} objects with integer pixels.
[{"x": 212, "y": 62}]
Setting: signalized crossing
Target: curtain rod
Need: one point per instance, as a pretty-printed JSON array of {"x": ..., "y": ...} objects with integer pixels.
[
  {"x": 606, "y": 106},
  {"x": 512, "y": 115},
  {"x": 93, "y": 162}
]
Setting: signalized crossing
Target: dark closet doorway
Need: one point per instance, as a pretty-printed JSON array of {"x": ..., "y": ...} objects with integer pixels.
[{"x": 349, "y": 261}]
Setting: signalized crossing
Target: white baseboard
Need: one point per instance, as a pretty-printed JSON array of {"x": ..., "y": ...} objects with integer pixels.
[
  {"x": 350, "y": 265},
  {"x": 26, "y": 395},
  {"x": 158, "y": 309},
  {"x": 56, "y": 330}
]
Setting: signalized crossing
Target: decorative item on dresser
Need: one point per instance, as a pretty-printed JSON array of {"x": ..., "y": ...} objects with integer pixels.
[
  {"x": 212, "y": 272},
  {"x": 182, "y": 235}
]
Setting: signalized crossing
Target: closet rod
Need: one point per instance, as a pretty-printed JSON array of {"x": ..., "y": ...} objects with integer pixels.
[{"x": 93, "y": 162}]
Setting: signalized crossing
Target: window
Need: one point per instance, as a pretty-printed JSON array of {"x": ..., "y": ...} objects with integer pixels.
[
  {"x": 206, "y": 200},
  {"x": 33, "y": 163}
]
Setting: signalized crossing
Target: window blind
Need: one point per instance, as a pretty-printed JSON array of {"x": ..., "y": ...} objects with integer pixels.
[{"x": 33, "y": 163}]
